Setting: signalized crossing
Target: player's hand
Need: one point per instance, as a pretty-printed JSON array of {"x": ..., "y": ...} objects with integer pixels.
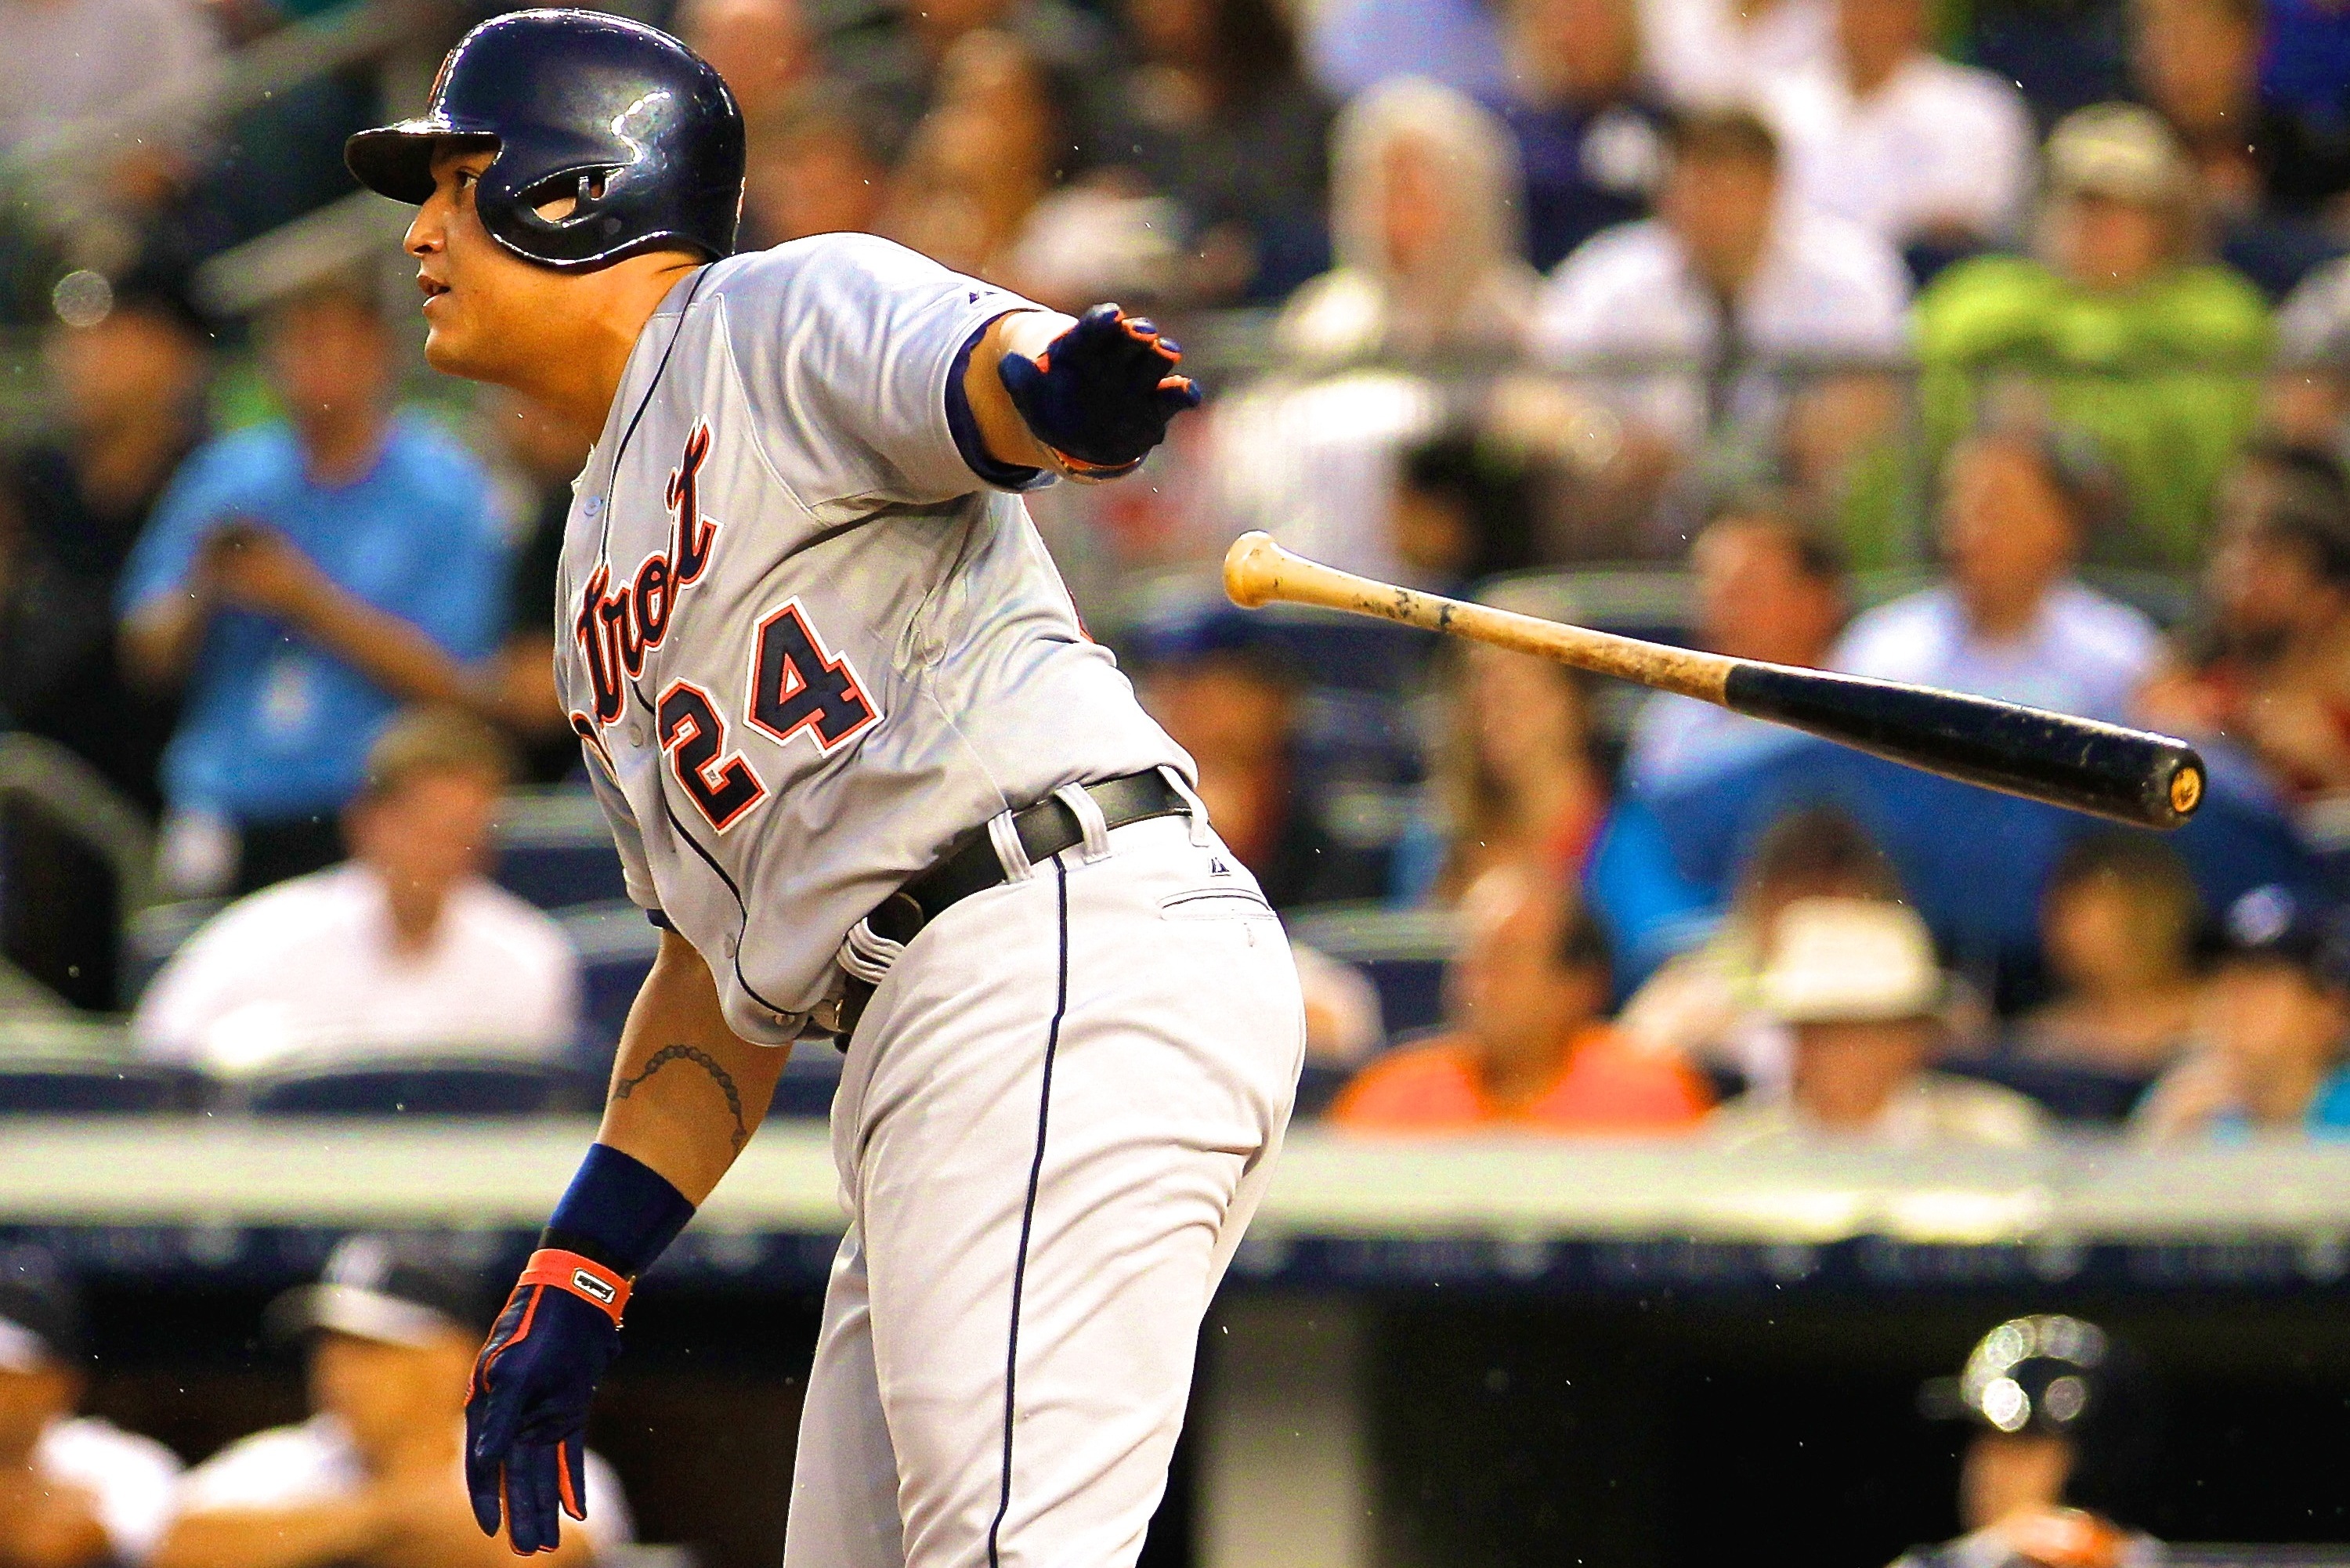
[
  {"x": 526, "y": 1414},
  {"x": 1101, "y": 393}
]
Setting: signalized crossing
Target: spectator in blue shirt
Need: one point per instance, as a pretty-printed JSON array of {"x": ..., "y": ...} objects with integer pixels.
[
  {"x": 2272, "y": 1028},
  {"x": 291, "y": 579},
  {"x": 1591, "y": 138}
]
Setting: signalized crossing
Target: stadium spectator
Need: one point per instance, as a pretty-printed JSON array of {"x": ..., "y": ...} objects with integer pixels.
[
  {"x": 1227, "y": 700},
  {"x": 984, "y": 188},
  {"x": 1528, "y": 1047},
  {"x": 1767, "y": 587},
  {"x": 74, "y": 1489},
  {"x": 1856, "y": 982},
  {"x": 2115, "y": 329},
  {"x": 1353, "y": 46},
  {"x": 1517, "y": 774},
  {"x": 2267, "y": 175},
  {"x": 1700, "y": 1007},
  {"x": 1516, "y": 782},
  {"x": 2308, "y": 397},
  {"x": 539, "y": 457},
  {"x": 1590, "y": 136},
  {"x": 1745, "y": 294},
  {"x": 820, "y": 164},
  {"x": 1464, "y": 512},
  {"x": 2010, "y": 620},
  {"x": 127, "y": 374},
  {"x": 2064, "y": 1434},
  {"x": 761, "y": 47},
  {"x": 129, "y": 70},
  {"x": 2118, "y": 922},
  {"x": 375, "y": 1475},
  {"x": 1425, "y": 225},
  {"x": 895, "y": 59},
  {"x": 1934, "y": 156},
  {"x": 2272, "y": 1036},
  {"x": 2270, "y": 668},
  {"x": 1705, "y": 53},
  {"x": 403, "y": 949},
  {"x": 1217, "y": 116},
  {"x": 288, "y": 571}
]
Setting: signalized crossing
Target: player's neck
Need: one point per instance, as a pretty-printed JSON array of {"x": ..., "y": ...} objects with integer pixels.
[{"x": 579, "y": 384}]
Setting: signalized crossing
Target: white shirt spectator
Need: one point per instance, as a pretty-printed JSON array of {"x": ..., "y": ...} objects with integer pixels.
[
  {"x": 1826, "y": 289},
  {"x": 316, "y": 1462},
  {"x": 307, "y": 968},
  {"x": 1937, "y": 146},
  {"x": 130, "y": 1479},
  {"x": 2085, "y": 654},
  {"x": 1933, "y": 1107},
  {"x": 69, "y": 60},
  {"x": 1703, "y": 53}
]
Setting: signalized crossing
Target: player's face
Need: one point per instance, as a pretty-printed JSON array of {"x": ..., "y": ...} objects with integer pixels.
[
  {"x": 385, "y": 1394},
  {"x": 483, "y": 303}
]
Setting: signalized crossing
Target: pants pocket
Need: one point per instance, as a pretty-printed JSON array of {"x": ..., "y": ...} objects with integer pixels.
[{"x": 1215, "y": 904}]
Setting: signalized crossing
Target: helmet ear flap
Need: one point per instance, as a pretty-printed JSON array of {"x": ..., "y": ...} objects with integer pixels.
[{"x": 566, "y": 198}]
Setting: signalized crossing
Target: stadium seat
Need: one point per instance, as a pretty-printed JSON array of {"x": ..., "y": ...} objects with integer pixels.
[
  {"x": 555, "y": 849},
  {"x": 2073, "y": 1094},
  {"x": 421, "y": 1086},
  {"x": 68, "y": 1086}
]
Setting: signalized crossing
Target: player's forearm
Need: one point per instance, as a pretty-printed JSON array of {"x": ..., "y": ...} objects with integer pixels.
[
  {"x": 269, "y": 1538},
  {"x": 1001, "y": 431},
  {"x": 687, "y": 1093}
]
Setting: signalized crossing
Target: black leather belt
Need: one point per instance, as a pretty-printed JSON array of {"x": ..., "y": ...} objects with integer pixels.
[{"x": 970, "y": 866}]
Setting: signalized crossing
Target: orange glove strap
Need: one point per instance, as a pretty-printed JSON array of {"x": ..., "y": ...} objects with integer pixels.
[{"x": 588, "y": 1280}]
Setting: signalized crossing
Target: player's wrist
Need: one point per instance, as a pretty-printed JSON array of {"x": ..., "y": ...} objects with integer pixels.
[{"x": 618, "y": 1214}]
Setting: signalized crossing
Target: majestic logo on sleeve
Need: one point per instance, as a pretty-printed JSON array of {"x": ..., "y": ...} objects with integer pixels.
[{"x": 616, "y": 627}]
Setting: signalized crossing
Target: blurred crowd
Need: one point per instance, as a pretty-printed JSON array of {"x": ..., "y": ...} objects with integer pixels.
[
  {"x": 2005, "y": 349},
  {"x": 387, "y": 1337}
]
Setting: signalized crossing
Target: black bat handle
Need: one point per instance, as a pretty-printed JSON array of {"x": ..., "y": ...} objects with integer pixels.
[{"x": 2128, "y": 775}]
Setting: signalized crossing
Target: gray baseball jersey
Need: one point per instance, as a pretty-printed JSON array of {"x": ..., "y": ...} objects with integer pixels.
[{"x": 804, "y": 645}]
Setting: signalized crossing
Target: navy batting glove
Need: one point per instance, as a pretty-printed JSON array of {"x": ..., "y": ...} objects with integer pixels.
[
  {"x": 526, "y": 1409},
  {"x": 1101, "y": 393}
]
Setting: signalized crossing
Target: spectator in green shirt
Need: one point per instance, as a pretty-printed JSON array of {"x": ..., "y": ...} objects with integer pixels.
[{"x": 2116, "y": 328}]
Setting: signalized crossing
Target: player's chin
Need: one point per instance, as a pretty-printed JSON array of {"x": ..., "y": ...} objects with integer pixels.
[{"x": 449, "y": 348}]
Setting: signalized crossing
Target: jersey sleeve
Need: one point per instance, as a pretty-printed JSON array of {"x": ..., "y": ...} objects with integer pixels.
[{"x": 846, "y": 342}]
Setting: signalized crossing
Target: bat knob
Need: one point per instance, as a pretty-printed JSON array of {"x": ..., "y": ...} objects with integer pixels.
[{"x": 1251, "y": 569}]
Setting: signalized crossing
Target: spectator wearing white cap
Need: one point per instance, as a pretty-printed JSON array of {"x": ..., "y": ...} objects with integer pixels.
[
  {"x": 375, "y": 1474},
  {"x": 1855, "y": 981},
  {"x": 74, "y": 1489}
]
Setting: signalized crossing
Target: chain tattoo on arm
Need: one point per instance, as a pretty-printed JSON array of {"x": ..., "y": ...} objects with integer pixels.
[{"x": 708, "y": 1063}]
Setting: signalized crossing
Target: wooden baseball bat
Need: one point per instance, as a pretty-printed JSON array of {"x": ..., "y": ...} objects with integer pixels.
[{"x": 2128, "y": 775}]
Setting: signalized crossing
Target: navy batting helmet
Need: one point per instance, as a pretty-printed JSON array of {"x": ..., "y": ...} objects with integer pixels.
[{"x": 628, "y": 126}]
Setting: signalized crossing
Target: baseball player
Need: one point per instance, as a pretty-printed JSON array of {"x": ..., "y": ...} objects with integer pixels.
[{"x": 870, "y": 777}]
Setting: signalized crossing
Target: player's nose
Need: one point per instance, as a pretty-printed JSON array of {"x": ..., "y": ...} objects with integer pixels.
[{"x": 426, "y": 229}]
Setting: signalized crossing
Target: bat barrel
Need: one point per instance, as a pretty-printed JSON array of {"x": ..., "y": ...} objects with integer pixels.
[{"x": 2126, "y": 775}]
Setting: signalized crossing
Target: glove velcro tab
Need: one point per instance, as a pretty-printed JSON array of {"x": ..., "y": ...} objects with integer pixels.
[{"x": 584, "y": 1277}]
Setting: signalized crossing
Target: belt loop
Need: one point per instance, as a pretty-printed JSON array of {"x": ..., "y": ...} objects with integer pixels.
[
  {"x": 867, "y": 955},
  {"x": 1196, "y": 808},
  {"x": 1090, "y": 820},
  {"x": 1003, "y": 834}
]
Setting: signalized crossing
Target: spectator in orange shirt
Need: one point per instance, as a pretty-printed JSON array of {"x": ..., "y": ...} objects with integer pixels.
[{"x": 1528, "y": 1048}]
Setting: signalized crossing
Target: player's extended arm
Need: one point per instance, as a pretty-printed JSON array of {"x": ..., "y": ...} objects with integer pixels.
[
  {"x": 1087, "y": 398},
  {"x": 686, "y": 1095}
]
